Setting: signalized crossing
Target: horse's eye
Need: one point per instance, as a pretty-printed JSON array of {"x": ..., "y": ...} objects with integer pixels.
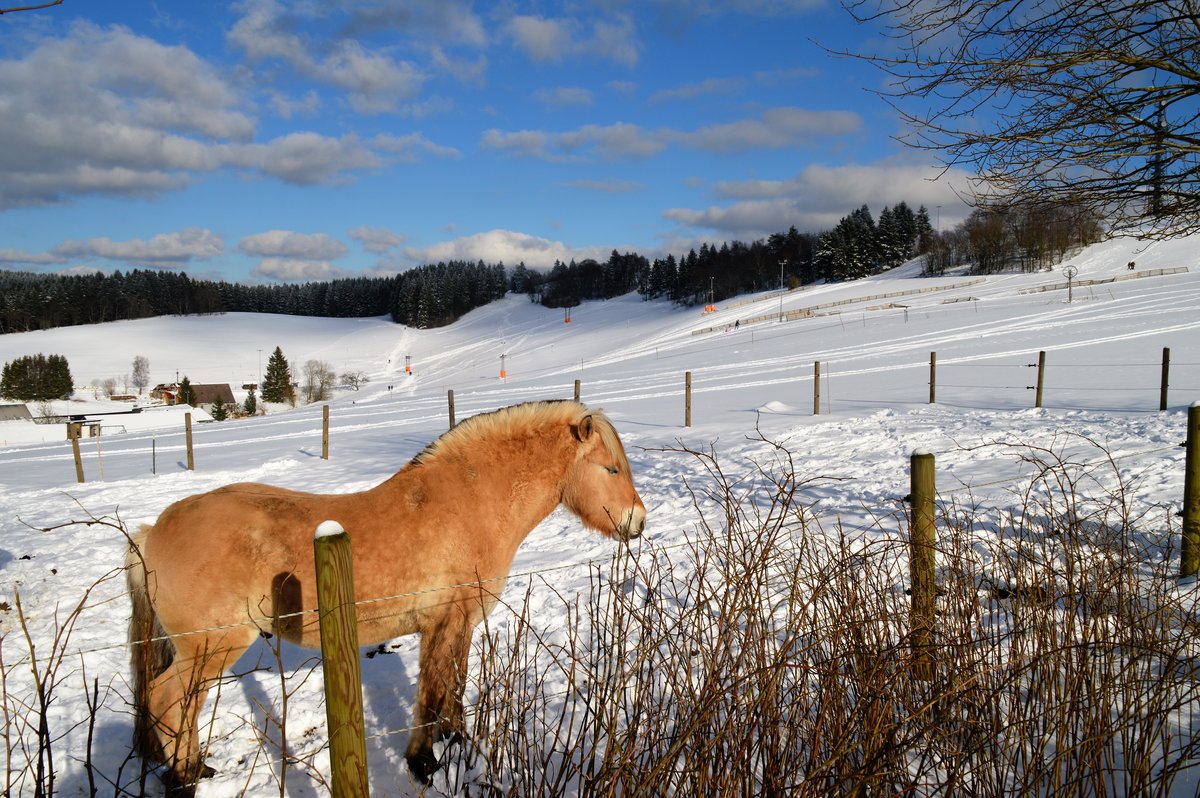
[{"x": 611, "y": 470}]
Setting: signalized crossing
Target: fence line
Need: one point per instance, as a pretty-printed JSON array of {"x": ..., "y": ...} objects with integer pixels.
[{"x": 591, "y": 562}]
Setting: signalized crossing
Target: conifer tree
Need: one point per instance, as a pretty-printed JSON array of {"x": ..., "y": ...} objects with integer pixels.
[
  {"x": 186, "y": 396},
  {"x": 219, "y": 411},
  {"x": 277, "y": 382}
]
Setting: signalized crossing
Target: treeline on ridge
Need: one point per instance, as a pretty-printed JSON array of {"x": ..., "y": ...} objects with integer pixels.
[{"x": 437, "y": 294}]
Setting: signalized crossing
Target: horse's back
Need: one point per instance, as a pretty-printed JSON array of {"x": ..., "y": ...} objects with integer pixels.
[{"x": 214, "y": 556}]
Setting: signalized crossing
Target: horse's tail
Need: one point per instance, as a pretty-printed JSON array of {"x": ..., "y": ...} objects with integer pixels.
[{"x": 151, "y": 651}]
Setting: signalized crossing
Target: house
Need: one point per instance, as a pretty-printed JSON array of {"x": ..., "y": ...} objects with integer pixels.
[
  {"x": 205, "y": 393},
  {"x": 17, "y": 412}
]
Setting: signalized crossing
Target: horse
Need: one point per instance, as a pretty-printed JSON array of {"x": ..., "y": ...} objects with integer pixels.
[{"x": 432, "y": 546}]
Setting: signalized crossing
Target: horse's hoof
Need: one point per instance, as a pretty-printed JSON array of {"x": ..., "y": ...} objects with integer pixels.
[
  {"x": 179, "y": 786},
  {"x": 423, "y": 765}
]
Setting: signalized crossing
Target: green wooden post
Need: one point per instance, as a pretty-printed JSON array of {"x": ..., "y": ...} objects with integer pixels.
[
  {"x": 922, "y": 543},
  {"x": 325, "y": 432},
  {"x": 339, "y": 656},
  {"x": 687, "y": 399},
  {"x": 1166, "y": 372},
  {"x": 1041, "y": 378},
  {"x": 74, "y": 430},
  {"x": 1189, "y": 556},
  {"x": 187, "y": 426},
  {"x": 932, "y": 377},
  {"x": 816, "y": 387}
]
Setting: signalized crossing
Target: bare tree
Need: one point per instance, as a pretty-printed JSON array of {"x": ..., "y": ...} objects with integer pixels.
[
  {"x": 35, "y": 7},
  {"x": 319, "y": 379},
  {"x": 355, "y": 379},
  {"x": 1088, "y": 104},
  {"x": 141, "y": 373}
]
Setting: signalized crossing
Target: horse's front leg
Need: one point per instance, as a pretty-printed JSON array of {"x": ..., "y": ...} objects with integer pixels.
[{"x": 439, "y": 713}]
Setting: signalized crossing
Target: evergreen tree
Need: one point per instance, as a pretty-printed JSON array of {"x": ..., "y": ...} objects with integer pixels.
[
  {"x": 219, "y": 411},
  {"x": 250, "y": 406},
  {"x": 36, "y": 378},
  {"x": 186, "y": 395},
  {"x": 277, "y": 382}
]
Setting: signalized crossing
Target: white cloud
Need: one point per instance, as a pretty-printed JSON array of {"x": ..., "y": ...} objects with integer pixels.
[
  {"x": 411, "y": 147},
  {"x": 374, "y": 81},
  {"x": 286, "y": 269},
  {"x": 288, "y": 244},
  {"x": 376, "y": 239},
  {"x": 508, "y": 246},
  {"x": 815, "y": 199},
  {"x": 305, "y": 158},
  {"x": 23, "y": 257},
  {"x": 163, "y": 250},
  {"x": 776, "y": 128},
  {"x": 542, "y": 40},
  {"x": 546, "y": 40},
  {"x": 103, "y": 111}
]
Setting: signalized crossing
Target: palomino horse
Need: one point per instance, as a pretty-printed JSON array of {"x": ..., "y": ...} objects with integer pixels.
[{"x": 435, "y": 541}]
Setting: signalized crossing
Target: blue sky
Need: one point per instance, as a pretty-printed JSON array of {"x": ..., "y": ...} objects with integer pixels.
[{"x": 266, "y": 141}]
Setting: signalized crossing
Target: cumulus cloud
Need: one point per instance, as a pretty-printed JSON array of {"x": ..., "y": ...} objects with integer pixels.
[
  {"x": 376, "y": 239},
  {"x": 816, "y": 198},
  {"x": 776, "y": 128},
  {"x": 546, "y": 40},
  {"x": 21, "y": 257},
  {"x": 163, "y": 250},
  {"x": 374, "y": 81},
  {"x": 410, "y": 148},
  {"x": 286, "y": 270},
  {"x": 140, "y": 119},
  {"x": 287, "y": 255},
  {"x": 288, "y": 244},
  {"x": 304, "y": 158},
  {"x": 495, "y": 246}
]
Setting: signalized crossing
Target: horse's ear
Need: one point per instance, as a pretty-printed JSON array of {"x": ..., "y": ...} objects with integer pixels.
[{"x": 583, "y": 430}]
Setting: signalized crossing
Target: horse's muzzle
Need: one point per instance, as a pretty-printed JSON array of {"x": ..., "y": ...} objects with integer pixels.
[{"x": 632, "y": 525}]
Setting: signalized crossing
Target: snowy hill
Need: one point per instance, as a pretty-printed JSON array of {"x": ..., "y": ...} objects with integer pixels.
[{"x": 1104, "y": 357}]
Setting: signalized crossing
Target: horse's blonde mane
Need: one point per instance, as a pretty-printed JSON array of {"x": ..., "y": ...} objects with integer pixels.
[{"x": 506, "y": 420}]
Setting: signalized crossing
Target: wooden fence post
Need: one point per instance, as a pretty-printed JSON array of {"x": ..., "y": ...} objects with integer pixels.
[
  {"x": 576, "y": 390},
  {"x": 1189, "y": 555},
  {"x": 922, "y": 542},
  {"x": 325, "y": 432},
  {"x": 450, "y": 402},
  {"x": 1041, "y": 378},
  {"x": 339, "y": 657},
  {"x": 74, "y": 430},
  {"x": 687, "y": 399},
  {"x": 932, "y": 377},
  {"x": 816, "y": 387},
  {"x": 1166, "y": 370},
  {"x": 187, "y": 426}
]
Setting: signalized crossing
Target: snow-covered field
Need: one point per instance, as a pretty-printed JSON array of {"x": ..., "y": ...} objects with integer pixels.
[{"x": 1103, "y": 365}]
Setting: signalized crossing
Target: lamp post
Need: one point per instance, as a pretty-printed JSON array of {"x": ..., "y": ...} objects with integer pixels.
[{"x": 781, "y": 263}]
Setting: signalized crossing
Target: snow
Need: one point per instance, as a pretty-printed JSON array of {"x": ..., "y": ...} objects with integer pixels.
[{"x": 752, "y": 388}]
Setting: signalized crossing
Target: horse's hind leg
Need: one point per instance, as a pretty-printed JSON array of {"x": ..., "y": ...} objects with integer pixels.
[
  {"x": 178, "y": 694},
  {"x": 439, "y": 712}
]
